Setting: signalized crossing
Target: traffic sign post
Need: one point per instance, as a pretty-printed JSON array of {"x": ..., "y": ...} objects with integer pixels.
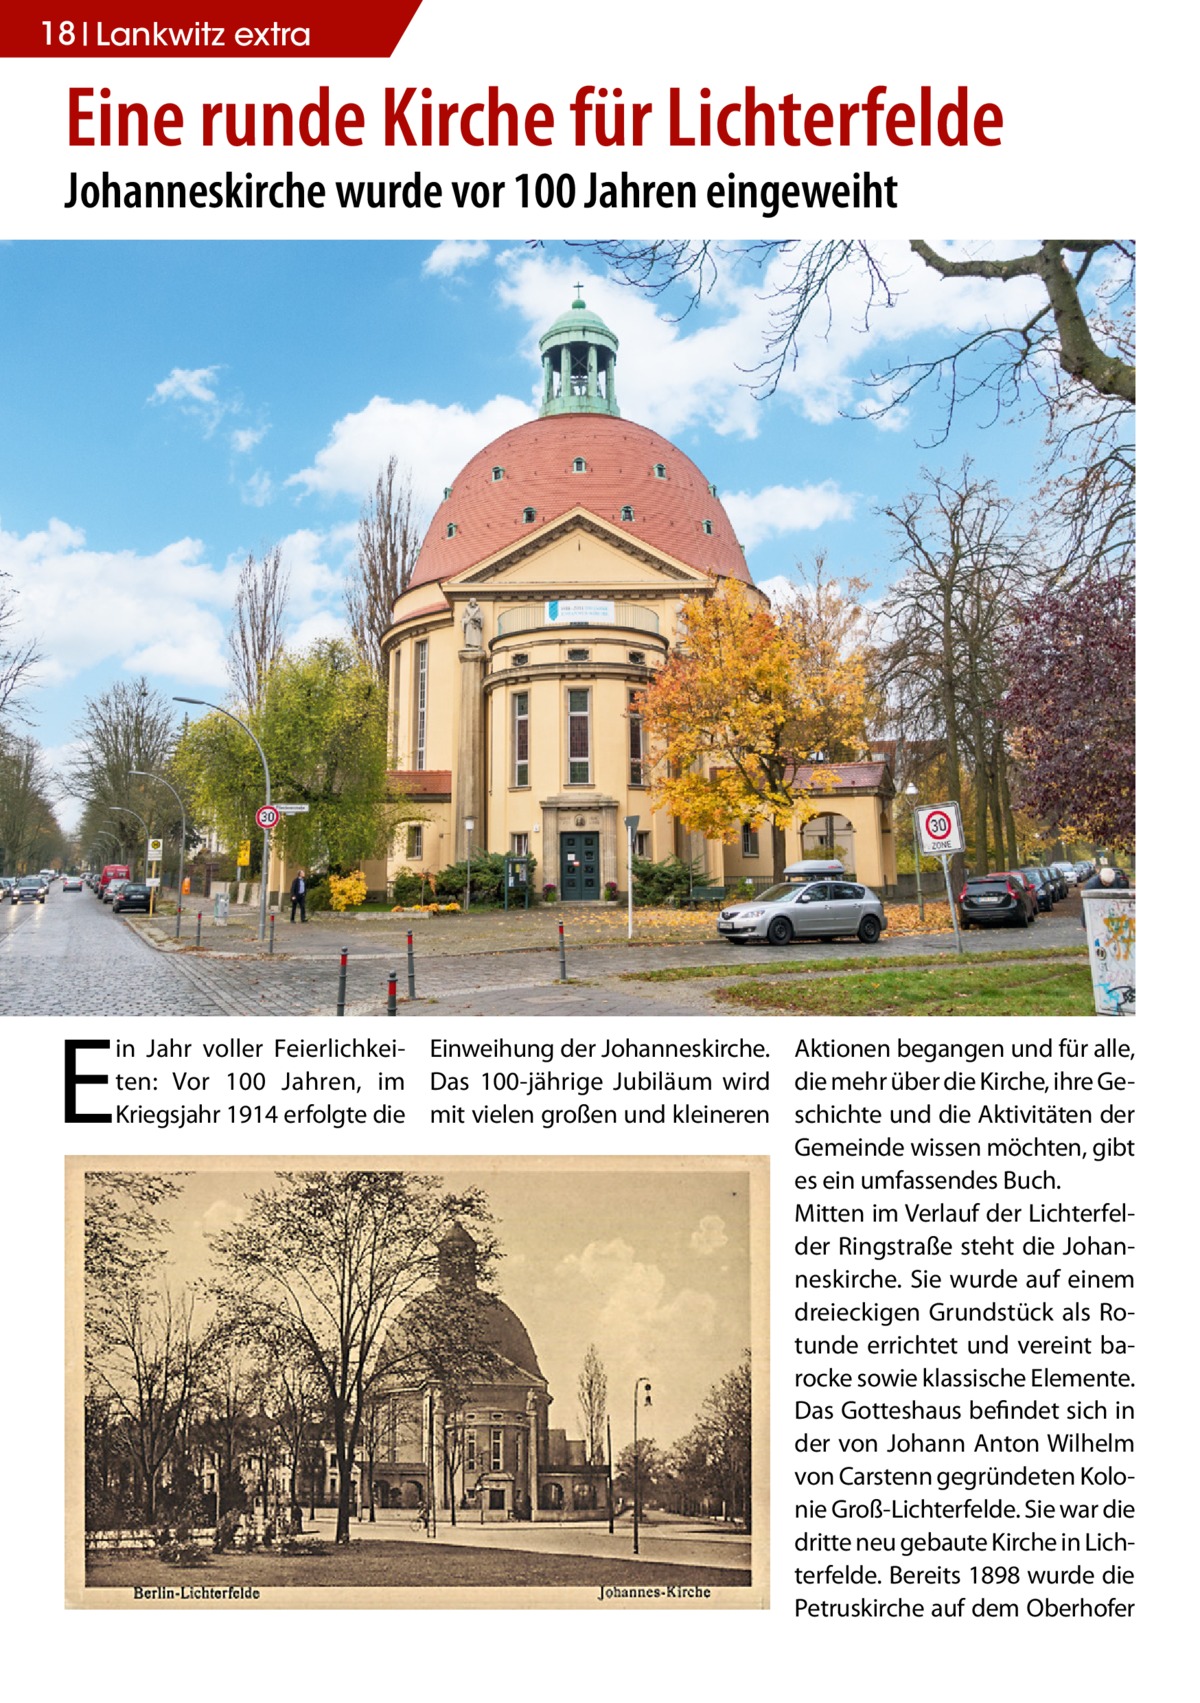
[
  {"x": 940, "y": 831},
  {"x": 267, "y": 817},
  {"x": 154, "y": 851}
]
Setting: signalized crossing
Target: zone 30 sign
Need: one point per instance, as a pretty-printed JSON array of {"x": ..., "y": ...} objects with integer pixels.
[{"x": 939, "y": 828}]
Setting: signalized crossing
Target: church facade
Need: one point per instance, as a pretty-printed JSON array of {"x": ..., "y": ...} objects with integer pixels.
[
  {"x": 484, "y": 1446},
  {"x": 549, "y": 588}
]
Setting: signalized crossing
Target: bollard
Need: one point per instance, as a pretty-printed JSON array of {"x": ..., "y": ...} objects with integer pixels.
[
  {"x": 391, "y": 993},
  {"x": 412, "y": 969},
  {"x": 341, "y": 999},
  {"x": 199, "y": 920},
  {"x": 271, "y": 946},
  {"x": 562, "y": 954}
]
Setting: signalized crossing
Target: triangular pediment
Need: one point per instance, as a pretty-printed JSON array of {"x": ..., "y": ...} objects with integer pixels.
[{"x": 579, "y": 549}]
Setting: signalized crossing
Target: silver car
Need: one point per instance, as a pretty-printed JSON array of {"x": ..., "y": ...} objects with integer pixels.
[{"x": 805, "y": 910}]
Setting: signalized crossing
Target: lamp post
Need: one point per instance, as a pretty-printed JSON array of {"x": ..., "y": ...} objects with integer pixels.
[
  {"x": 910, "y": 792},
  {"x": 631, "y": 825},
  {"x": 469, "y": 825},
  {"x": 266, "y": 868},
  {"x": 147, "y": 775},
  {"x": 638, "y": 1382}
]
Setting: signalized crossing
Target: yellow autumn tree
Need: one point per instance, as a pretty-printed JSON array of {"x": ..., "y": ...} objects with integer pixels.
[{"x": 748, "y": 716}]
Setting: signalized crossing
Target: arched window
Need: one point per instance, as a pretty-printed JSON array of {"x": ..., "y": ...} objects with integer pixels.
[
  {"x": 451, "y": 529},
  {"x": 660, "y": 471},
  {"x": 712, "y": 490},
  {"x": 497, "y": 474},
  {"x": 446, "y": 490},
  {"x": 706, "y": 527},
  {"x": 529, "y": 516},
  {"x": 579, "y": 465},
  {"x": 627, "y": 512}
]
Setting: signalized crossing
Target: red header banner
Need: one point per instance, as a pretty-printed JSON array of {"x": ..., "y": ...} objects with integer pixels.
[{"x": 224, "y": 29}]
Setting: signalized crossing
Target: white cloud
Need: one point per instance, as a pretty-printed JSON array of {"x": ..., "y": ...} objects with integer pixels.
[
  {"x": 434, "y": 442},
  {"x": 631, "y": 1297},
  {"x": 450, "y": 257},
  {"x": 163, "y": 613},
  {"x": 246, "y": 438},
  {"x": 258, "y": 489},
  {"x": 188, "y": 385},
  {"x": 779, "y": 509},
  {"x": 709, "y": 1235},
  {"x": 94, "y": 606}
]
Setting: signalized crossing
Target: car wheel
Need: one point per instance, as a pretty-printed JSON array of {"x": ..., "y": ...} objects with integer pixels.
[
  {"x": 869, "y": 930},
  {"x": 779, "y": 931},
  {"x": 1023, "y": 920}
]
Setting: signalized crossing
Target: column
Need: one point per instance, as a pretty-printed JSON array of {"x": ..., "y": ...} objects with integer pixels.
[{"x": 468, "y": 771}]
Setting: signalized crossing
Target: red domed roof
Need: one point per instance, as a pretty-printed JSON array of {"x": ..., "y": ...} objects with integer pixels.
[{"x": 669, "y": 513}]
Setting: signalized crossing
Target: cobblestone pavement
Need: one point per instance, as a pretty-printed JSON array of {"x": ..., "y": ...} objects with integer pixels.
[
  {"x": 523, "y": 981},
  {"x": 72, "y": 958}
]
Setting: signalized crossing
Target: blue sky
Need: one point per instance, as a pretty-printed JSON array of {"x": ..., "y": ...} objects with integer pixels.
[{"x": 167, "y": 407}]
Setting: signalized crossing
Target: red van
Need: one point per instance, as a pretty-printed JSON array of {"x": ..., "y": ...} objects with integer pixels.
[{"x": 112, "y": 872}]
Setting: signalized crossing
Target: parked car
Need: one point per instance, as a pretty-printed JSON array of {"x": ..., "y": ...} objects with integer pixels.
[
  {"x": 109, "y": 893},
  {"x": 113, "y": 872},
  {"x": 805, "y": 910},
  {"x": 1068, "y": 873},
  {"x": 1045, "y": 886},
  {"x": 7, "y": 883},
  {"x": 30, "y": 887},
  {"x": 130, "y": 896},
  {"x": 1002, "y": 897}
]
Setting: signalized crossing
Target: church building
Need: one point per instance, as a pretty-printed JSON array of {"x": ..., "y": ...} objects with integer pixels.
[
  {"x": 486, "y": 1446},
  {"x": 550, "y": 586}
]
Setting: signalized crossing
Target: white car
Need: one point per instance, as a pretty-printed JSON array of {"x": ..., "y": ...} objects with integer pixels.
[{"x": 805, "y": 910}]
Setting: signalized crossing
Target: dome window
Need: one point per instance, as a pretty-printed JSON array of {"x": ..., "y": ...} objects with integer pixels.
[
  {"x": 579, "y": 465},
  {"x": 627, "y": 512},
  {"x": 519, "y": 658},
  {"x": 529, "y": 516},
  {"x": 446, "y": 492},
  {"x": 712, "y": 490},
  {"x": 706, "y": 527},
  {"x": 497, "y": 475},
  {"x": 660, "y": 471},
  {"x": 638, "y": 657},
  {"x": 578, "y": 655},
  {"x": 451, "y": 529}
]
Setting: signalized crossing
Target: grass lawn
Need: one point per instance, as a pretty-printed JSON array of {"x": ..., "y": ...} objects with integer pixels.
[
  {"x": 419, "y": 1564},
  {"x": 828, "y": 966},
  {"x": 962, "y": 989}
]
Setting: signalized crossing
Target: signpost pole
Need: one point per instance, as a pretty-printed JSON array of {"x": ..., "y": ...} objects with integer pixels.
[{"x": 958, "y": 941}]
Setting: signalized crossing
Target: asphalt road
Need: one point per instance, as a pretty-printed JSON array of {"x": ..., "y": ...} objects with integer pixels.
[{"x": 72, "y": 958}]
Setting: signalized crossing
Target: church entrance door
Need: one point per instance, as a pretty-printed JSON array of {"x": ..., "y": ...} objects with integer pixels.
[{"x": 579, "y": 861}]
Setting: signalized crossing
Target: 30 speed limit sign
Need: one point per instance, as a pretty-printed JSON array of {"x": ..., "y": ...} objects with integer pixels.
[
  {"x": 267, "y": 816},
  {"x": 939, "y": 828}
]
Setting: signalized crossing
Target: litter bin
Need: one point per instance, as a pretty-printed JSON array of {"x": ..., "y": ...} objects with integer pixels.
[{"x": 221, "y": 909}]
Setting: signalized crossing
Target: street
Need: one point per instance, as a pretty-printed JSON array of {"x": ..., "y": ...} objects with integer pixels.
[{"x": 72, "y": 957}]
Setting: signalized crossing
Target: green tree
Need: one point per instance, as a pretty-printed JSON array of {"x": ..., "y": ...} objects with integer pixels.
[{"x": 322, "y": 722}]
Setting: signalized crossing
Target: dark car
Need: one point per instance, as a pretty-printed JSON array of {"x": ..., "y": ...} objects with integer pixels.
[
  {"x": 131, "y": 896},
  {"x": 108, "y": 893},
  {"x": 30, "y": 887},
  {"x": 1045, "y": 887},
  {"x": 1005, "y": 897}
]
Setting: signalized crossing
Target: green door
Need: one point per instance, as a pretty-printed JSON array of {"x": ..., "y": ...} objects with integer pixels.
[{"x": 579, "y": 861}]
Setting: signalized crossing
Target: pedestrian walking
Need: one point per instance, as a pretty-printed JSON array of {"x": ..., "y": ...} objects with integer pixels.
[{"x": 299, "y": 889}]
